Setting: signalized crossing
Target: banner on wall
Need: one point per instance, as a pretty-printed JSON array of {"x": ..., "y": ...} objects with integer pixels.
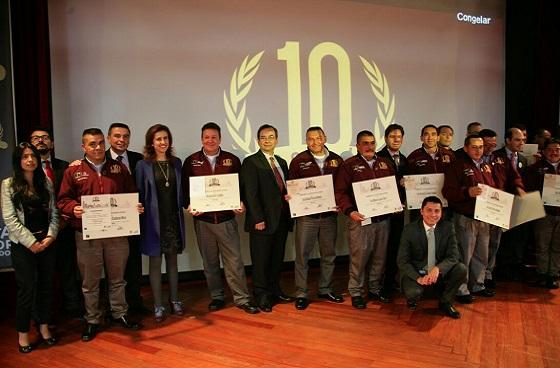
[{"x": 7, "y": 133}]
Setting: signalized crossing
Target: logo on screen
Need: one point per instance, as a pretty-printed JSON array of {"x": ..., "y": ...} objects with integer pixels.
[{"x": 235, "y": 104}]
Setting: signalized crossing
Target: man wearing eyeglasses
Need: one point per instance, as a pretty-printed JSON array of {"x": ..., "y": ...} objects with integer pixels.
[
  {"x": 263, "y": 181},
  {"x": 65, "y": 244}
]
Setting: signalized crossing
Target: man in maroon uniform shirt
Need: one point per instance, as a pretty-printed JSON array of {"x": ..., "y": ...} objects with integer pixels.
[
  {"x": 429, "y": 159},
  {"x": 316, "y": 160},
  {"x": 367, "y": 244}
]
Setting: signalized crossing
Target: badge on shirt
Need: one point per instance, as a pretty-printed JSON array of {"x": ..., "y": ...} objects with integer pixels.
[
  {"x": 358, "y": 168},
  {"x": 333, "y": 163},
  {"x": 499, "y": 160},
  {"x": 305, "y": 165},
  {"x": 421, "y": 162},
  {"x": 197, "y": 163},
  {"x": 115, "y": 169},
  {"x": 80, "y": 175},
  {"x": 382, "y": 166},
  {"x": 468, "y": 172},
  {"x": 446, "y": 159},
  {"x": 227, "y": 162}
]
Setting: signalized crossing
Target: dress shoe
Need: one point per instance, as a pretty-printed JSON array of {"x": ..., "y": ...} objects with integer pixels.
[
  {"x": 490, "y": 284},
  {"x": 379, "y": 296},
  {"x": 24, "y": 349},
  {"x": 487, "y": 293},
  {"x": 249, "y": 308},
  {"x": 465, "y": 299},
  {"x": 331, "y": 297},
  {"x": 159, "y": 313},
  {"x": 125, "y": 322},
  {"x": 301, "y": 303},
  {"x": 90, "y": 331},
  {"x": 216, "y": 304},
  {"x": 265, "y": 307},
  {"x": 412, "y": 303},
  {"x": 551, "y": 283},
  {"x": 283, "y": 298},
  {"x": 50, "y": 341},
  {"x": 176, "y": 307},
  {"x": 449, "y": 310},
  {"x": 358, "y": 302}
]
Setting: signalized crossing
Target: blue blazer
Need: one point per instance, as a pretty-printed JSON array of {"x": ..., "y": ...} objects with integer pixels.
[{"x": 149, "y": 221}]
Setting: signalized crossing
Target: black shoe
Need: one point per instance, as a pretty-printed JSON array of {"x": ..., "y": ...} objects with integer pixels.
[
  {"x": 465, "y": 299},
  {"x": 412, "y": 303},
  {"x": 487, "y": 293},
  {"x": 216, "y": 304},
  {"x": 331, "y": 297},
  {"x": 379, "y": 296},
  {"x": 265, "y": 307},
  {"x": 50, "y": 341},
  {"x": 449, "y": 310},
  {"x": 551, "y": 283},
  {"x": 301, "y": 303},
  {"x": 358, "y": 302},
  {"x": 90, "y": 331},
  {"x": 490, "y": 284},
  {"x": 127, "y": 323},
  {"x": 283, "y": 298},
  {"x": 249, "y": 308},
  {"x": 24, "y": 349}
]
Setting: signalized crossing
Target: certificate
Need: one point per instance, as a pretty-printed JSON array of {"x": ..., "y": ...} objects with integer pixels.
[
  {"x": 527, "y": 208},
  {"x": 418, "y": 187},
  {"x": 377, "y": 197},
  {"x": 110, "y": 215},
  {"x": 529, "y": 151},
  {"x": 214, "y": 193},
  {"x": 311, "y": 195},
  {"x": 551, "y": 190},
  {"x": 493, "y": 206}
]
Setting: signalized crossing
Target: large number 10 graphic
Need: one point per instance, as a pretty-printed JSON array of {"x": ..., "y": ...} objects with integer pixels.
[{"x": 291, "y": 54}]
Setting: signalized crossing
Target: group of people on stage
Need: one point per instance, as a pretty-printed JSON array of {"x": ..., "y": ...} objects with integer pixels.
[{"x": 444, "y": 248}]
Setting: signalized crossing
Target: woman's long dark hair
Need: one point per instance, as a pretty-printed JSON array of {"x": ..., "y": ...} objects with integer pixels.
[
  {"x": 19, "y": 185},
  {"x": 149, "y": 150}
]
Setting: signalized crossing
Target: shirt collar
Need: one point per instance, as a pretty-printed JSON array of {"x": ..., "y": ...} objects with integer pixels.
[
  {"x": 114, "y": 155},
  {"x": 426, "y": 227}
]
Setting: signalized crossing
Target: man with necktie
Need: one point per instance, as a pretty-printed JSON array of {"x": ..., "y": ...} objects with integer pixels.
[
  {"x": 429, "y": 257},
  {"x": 118, "y": 138},
  {"x": 65, "y": 244},
  {"x": 268, "y": 221}
]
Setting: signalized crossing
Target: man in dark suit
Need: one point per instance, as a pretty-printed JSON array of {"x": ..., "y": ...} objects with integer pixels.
[
  {"x": 263, "y": 179},
  {"x": 513, "y": 243},
  {"x": 394, "y": 135},
  {"x": 428, "y": 256},
  {"x": 65, "y": 244},
  {"x": 118, "y": 138}
]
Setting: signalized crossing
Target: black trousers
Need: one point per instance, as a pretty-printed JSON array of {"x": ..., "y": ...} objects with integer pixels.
[
  {"x": 133, "y": 273},
  {"x": 267, "y": 256},
  {"x": 34, "y": 278},
  {"x": 396, "y": 225},
  {"x": 67, "y": 269},
  {"x": 446, "y": 286}
]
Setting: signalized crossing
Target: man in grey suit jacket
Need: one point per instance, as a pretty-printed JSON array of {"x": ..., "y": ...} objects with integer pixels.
[
  {"x": 429, "y": 256},
  {"x": 263, "y": 180}
]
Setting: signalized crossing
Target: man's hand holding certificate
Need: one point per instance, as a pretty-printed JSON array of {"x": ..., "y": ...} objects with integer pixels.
[
  {"x": 377, "y": 197},
  {"x": 311, "y": 195},
  {"x": 110, "y": 215},
  {"x": 214, "y": 193}
]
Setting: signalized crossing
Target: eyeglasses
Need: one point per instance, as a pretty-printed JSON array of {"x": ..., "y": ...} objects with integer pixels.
[{"x": 36, "y": 138}]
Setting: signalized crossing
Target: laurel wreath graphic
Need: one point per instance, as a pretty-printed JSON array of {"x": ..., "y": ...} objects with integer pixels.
[
  {"x": 385, "y": 101},
  {"x": 235, "y": 103}
]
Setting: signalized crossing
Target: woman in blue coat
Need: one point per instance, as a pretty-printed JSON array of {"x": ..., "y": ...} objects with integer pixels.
[{"x": 158, "y": 178}]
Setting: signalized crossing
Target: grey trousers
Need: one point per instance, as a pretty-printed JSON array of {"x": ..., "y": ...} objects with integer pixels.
[
  {"x": 309, "y": 230},
  {"x": 446, "y": 285},
  {"x": 110, "y": 254},
  {"x": 367, "y": 246},
  {"x": 216, "y": 239},
  {"x": 493, "y": 246},
  {"x": 473, "y": 237},
  {"x": 547, "y": 236}
]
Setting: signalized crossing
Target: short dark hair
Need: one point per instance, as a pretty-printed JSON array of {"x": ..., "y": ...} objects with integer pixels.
[
  {"x": 392, "y": 127},
  {"x": 487, "y": 133},
  {"x": 211, "y": 125},
  {"x": 92, "y": 131},
  {"x": 315, "y": 128},
  {"x": 118, "y": 125},
  {"x": 540, "y": 131},
  {"x": 550, "y": 141},
  {"x": 509, "y": 132},
  {"x": 431, "y": 199},
  {"x": 439, "y": 128},
  {"x": 149, "y": 150},
  {"x": 520, "y": 126},
  {"x": 426, "y": 127},
  {"x": 43, "y": 129},
  {"x": 364, "y": 133},
  {"x": 266, "y": 126},
  {"x": 469, "y": 137},
  {"x": 470, "y": 125}
]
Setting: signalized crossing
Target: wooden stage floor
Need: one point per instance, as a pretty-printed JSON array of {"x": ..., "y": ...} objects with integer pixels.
[{"x": 520, "y": 327}]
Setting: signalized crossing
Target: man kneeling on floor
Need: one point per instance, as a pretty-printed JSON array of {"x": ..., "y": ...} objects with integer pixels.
[{"x": 429, "y": 256}]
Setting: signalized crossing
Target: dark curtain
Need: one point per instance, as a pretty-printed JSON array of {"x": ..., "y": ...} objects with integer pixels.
[{"x": 31, "y": 57}]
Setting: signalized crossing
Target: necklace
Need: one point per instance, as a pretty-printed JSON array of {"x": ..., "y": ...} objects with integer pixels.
[{"x": 165, "y": 173}]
